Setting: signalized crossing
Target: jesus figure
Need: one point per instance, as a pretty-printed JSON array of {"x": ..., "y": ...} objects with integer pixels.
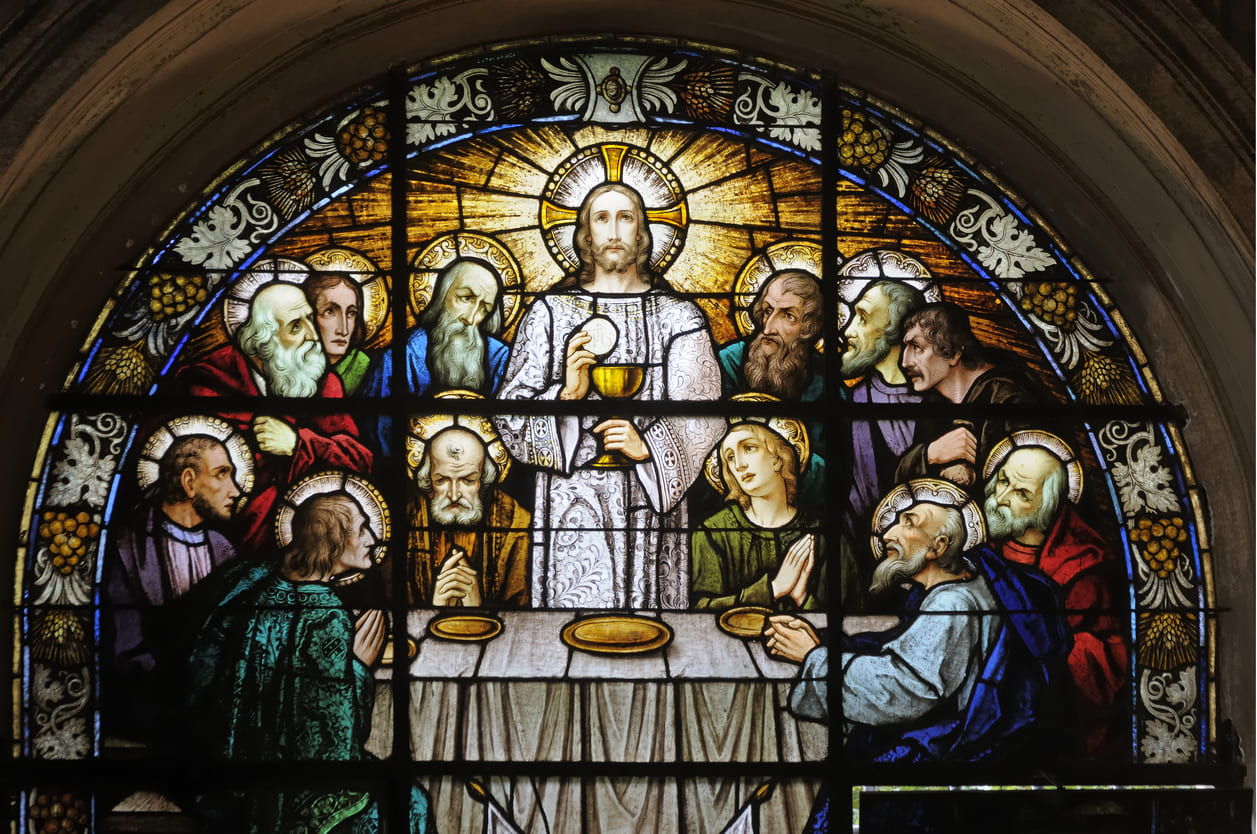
[{"x": 611, "y": 537}]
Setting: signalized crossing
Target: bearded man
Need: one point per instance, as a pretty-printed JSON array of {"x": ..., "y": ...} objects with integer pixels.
[
  {"x": 277, "y": 353},
  {"x": 874, "y": 339},
  {"x": 961, "y": 679},
  {"x": 167, "y": 546},
  {"x": 454, "y": 346},
  {"x": 613, "y": 537},
  {"x": 780, "y": 358},
  {"x": 469, "y": 542},
  {"x": 1032, "y": 522}
]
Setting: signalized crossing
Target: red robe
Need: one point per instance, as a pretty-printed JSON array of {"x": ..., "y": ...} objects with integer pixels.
[
  {"x": 1090, "y": 576},
  {"x": 324, "y": 441}
]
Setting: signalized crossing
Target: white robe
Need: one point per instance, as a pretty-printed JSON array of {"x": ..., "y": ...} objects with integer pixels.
[{"x": 612, "y": 538}]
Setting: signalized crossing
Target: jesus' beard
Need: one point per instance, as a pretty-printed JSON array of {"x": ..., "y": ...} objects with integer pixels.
[
  {"x": 456, "y": 513},
  {"x": 896, "y": 567},
  {"x": 294, "y": 372},
  {"x": 456, "y": 354},
  {"x": 616, "y": 261},
  {"x": 782, "y": 372}
]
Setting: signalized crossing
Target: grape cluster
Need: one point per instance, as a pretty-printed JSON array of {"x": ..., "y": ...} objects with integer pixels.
[
  {"x": 365, "y": 138},
  {"x": 64, "y": 813},
  {"x": 863, "y": 143},
  {"x": 171, "y": 295},
  {"x": 67, "y": 538},
  {"x": 1054, "y": 303},
  {"x": 1158, "y": 541}
]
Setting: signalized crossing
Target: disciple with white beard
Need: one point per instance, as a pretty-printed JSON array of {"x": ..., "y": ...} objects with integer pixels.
[
  {"x": 454, "y": 348},
  {"x": 959, "y": 680},
  {"x": 469, "y": 541},
  {"x": 277, "y": 353},
  {"x": 1033, "y": 521}
]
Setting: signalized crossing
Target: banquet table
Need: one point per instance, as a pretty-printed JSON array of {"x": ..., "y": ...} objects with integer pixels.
[{"x": 524, "y": 696}]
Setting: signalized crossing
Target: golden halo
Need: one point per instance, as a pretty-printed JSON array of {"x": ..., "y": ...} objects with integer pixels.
[
  {"x": 881, "y": 265},
  {"x": 803, "y": 255},
  {"x": 1056, "y": 447},
  {"x": 147, "y": 468},
  {"x": 366, "y": 496},
  {"x": 787, "y": 428},
  {"x": 932, "y": 491},
  {"x": 428, "y": 426},
  {"x": 428, "y": 266},
  {"x": 360, "y": 268},
  {"x": 240, "y": 297},
  {"x": 667, "y": 213}
]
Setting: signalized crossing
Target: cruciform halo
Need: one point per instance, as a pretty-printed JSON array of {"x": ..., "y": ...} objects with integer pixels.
[
  {"x": 1047, "y": 441},
  {"x": 363, "y": 272},
  {"x": 147, "y": 468},
  {"x": 787, "y": 428},
  {"x": 428, "y": 426},
  {"x": 432, "y": 261},
  {"x": 366, "y": 496},
  {"x": 267, "y": 271},
  {"x": 927, "y": 491},
  {"x": 803, "y": 255},
  {"x": 667, "y": 212}
]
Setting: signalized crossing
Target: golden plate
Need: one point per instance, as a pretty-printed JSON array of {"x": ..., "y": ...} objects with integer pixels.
[
  {"x": 465, "y": 627},
  {"x": 616, "y": 634},
  {"x": 745, "y": 621},
  {"x": 386, "y": 654}
]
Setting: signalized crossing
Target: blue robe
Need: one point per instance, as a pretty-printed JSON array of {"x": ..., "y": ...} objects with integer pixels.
[
  {"x": 273, "y": 677},
  {"x": 419, "y": 376}
]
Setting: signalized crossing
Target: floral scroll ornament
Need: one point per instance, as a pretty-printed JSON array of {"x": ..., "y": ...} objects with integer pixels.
[
  {"x": 790, "y": 114},
  {"x": 59, "y": 699},
  {"x": 1142, "y": 478},
  {"x": 431, "y": 108},
  {"x": 1002, "y": 244},
  {"x": 230, "y": 230},
  {"x": 1170, "y": 699}
]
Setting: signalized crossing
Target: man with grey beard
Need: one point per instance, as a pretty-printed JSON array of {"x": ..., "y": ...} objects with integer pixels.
[
  {"x": 874, "y": 338},
  {"x": 959, "y": 680},
  {"x": 469, "y": 542},
  {"x": 1033, "y": 522},
  {"x": 454, "y": 346},
  {"x": 277, "y": 354}
]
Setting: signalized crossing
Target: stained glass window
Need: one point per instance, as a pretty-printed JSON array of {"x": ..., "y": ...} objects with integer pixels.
[{"x": 510, "y": 445}]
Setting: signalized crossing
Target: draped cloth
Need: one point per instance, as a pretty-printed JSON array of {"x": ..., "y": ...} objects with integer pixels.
[
  {"x": 273, "y": 678},
  {"x": 612, "y": 538}
]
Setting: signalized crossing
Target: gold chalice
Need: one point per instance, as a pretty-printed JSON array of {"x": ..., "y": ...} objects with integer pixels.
[{"x": 615, "y": 382}]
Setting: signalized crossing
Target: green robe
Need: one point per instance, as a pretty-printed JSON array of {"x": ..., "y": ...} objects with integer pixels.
[
  {"x": 352, "y": 370},
  {"x": 733, "y": 561},
  {"x": 274, "y": 678}
]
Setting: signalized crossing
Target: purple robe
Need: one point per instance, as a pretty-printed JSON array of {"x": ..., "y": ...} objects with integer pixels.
[{"x": 876, "y": 447}]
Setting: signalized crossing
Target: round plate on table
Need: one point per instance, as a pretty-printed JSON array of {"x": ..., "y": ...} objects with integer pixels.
[
  {"x": 386, "y": 654},
  {"x": 465, "y": 627},
  {"x": 616, "y": 634},
  {"x": 746, "y": 621}
]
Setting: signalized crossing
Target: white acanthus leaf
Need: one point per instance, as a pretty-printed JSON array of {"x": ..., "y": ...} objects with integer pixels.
[
  {"x": 1143, "y": 482},
  {"x": 572, "y": 93}
]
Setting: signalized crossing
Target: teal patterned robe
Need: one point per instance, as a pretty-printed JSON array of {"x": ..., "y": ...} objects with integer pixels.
[{"x": 274, "y": 678}]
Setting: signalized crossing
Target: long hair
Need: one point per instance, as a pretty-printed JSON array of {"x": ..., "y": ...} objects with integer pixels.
[
  {"x": 582, "y": 237},
  {"x": 320, "y": 532},
  {"x": 318, "y": 284},
  {"x": 787, "y": 464},
  {"x": 436, "y": 306}
]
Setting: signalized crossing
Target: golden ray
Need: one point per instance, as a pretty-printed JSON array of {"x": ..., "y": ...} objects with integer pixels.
[
  {"x": 491, "y": 212},
  {"x": 744, "y": 200},
  {"x": 711, "y": 258},
  {"x": 707, "y": 158},
  {"x": 517, "y": 176}
]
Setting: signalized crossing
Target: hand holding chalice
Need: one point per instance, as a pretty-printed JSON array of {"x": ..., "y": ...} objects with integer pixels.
[{"x": 596, "y": 338}]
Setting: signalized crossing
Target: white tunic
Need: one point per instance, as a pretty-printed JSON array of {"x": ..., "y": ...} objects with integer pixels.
[{"x": 612, "y": 538}]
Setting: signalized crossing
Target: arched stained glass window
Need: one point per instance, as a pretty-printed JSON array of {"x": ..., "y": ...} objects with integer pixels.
[{"x": 530, "y": 428}]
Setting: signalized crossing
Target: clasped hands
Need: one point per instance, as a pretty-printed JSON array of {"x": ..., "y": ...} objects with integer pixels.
[
  {"x": 457, "y": 583},
  {"x": 789, "y": 637},
  {"x": 618, "y": 435},
  {"x": 795, "y": 571}
]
